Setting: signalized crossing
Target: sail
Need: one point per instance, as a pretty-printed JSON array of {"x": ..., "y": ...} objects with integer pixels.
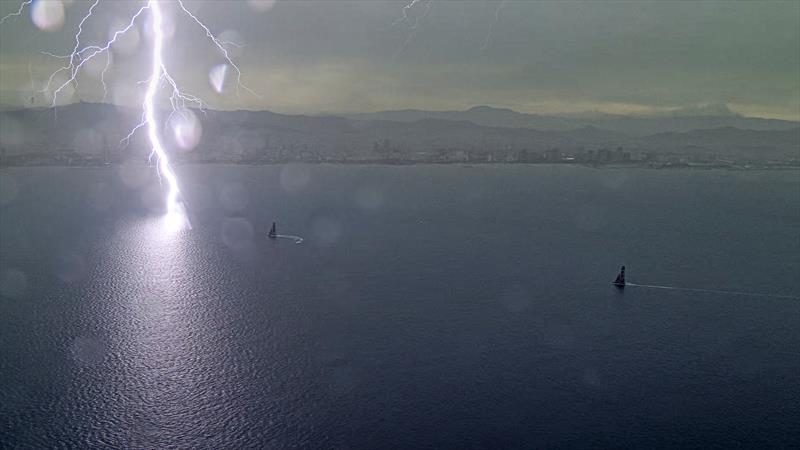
[
  {"x": 272, "y": 231},
  {"x": 621, "y": 277}
]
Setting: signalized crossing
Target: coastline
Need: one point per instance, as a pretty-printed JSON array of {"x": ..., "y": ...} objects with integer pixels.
[{"x": 471, "y": 164}]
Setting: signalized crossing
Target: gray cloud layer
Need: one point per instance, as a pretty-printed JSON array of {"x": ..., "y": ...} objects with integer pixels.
[{"x": 306, "y": 56}]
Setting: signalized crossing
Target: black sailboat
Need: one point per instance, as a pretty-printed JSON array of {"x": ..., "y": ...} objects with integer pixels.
[
  {"x": 272, "y": 232},
  {"x": 620, "y": 280}
]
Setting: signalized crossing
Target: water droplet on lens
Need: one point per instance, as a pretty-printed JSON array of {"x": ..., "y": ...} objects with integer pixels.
[
  {"x": 47, "y": 15},
  {"x": 261, "y": 5},
  {"x": 87, "y": 140},
  {"x": 100, "y": 197},
  {"x": 153, "y": 198},
  {"x": 237, "y": 234},
  {"x": 233, "y": 42},
  {"x": 327, "y": 230},
  {"x": 134, "y": 174},
  {"x": 217, "y": 77},
  {"x": 294, "y": 177},
  {"x": 186, "y": 129},
  {"x": 233, "y": 197}
]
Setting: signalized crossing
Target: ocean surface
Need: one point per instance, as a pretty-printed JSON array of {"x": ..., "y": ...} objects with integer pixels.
[{"x": 427, "y": 307}]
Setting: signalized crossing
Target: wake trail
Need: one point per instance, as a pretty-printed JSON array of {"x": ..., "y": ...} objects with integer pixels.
[
  {"x": 296, "y": 239},
  {"x": 714, "y": 291}
]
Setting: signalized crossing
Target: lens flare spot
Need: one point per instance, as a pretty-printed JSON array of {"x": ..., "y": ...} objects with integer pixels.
[
  {"x": 133, "y": 174},
  {"x": 217, "y": 77},
  {"x": 327, "y": 230},
  {"x": 233, "y": 42},
  {"x": 48, "y": 15},
  {"x": 233, "y": 197},
  {"x": 186, "y": 129},
  {"x": 15, "y": 132},
  {"x": 100, "y": 197},
  {"x": 261, "y": 5},
  {"x": 237, "y": 234},
  {"x": 88, "y": 140},
  {"x": 294, "y": 177}
]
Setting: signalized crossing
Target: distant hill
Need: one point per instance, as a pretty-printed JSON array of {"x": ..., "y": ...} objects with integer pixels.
[
  {"x": 95, "y": 130},
  {"x": 631, "y": 125},
  {"x": 729, "y": 141}
]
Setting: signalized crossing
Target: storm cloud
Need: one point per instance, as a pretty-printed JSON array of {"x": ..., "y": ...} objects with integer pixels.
[{"x": 541, "y": 57}]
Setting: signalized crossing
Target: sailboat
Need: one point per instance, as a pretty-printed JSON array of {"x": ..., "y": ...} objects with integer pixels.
[
  {"x": 272, "y": 232},
  {"x": 620, "y": 280}
]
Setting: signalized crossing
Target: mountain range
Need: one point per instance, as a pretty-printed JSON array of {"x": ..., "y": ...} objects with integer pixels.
[
  {"x": 631, "y": 125},
  {"x": 96, "y": 129}
]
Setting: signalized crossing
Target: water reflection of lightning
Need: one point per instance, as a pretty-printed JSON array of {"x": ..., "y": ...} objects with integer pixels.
[{"x": 178, "y": 99}]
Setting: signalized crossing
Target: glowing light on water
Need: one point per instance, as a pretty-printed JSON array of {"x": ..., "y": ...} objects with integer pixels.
[{"x": 177, "y": 219}]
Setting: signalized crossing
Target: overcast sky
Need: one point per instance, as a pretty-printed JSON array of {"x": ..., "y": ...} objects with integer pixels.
[{"x": 544, "y": 57}]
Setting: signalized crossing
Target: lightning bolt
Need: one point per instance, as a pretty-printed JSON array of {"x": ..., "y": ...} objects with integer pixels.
[
  {"x": 16, "y": 14},
  {"x": 164, "y": 167},
  {"x": 221, "y": 48},
  {"x": 405, "y": 17},
  {"x": 159, "y": 75},
  {"x": 488, "y": 39},
  {"x": 412, "y": 23}
]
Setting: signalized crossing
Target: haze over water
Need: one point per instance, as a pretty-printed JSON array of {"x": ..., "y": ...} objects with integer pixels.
[{"x": 441, "y": 306}]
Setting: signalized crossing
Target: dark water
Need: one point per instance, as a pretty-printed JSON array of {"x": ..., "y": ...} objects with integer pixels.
[{"x": 428, "y": 307}]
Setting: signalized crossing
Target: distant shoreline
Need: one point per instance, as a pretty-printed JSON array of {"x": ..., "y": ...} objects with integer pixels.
[{"x": 653, "y": 166}]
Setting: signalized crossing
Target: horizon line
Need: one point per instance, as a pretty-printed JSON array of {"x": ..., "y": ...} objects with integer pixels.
[{"x": 563, "y": 115}]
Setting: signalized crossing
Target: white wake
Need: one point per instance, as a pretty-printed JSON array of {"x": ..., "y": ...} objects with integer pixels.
[
  {"x": 296, "y": 239},
  {"x": 713, "y": 291}
]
